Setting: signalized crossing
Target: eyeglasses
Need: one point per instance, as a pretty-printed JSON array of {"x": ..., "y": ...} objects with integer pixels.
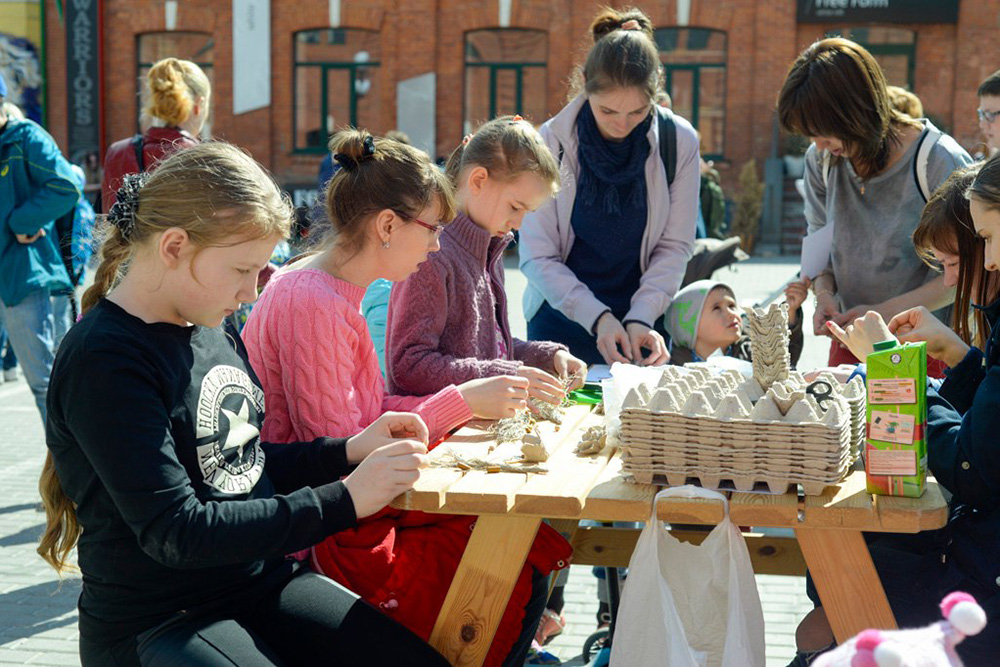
[
  {"x": 437, "y": 229},
  {"x": 987, "y": 116}
]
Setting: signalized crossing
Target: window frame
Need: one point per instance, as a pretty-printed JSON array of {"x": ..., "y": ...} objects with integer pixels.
[
  {"x": 325, "y": 66},
  {"x": 696, "y": 71},
  {"x": 517, "y": 66}
]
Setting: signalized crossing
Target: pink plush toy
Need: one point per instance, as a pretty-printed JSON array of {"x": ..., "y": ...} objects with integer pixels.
[{"x": 933, "y": 646}]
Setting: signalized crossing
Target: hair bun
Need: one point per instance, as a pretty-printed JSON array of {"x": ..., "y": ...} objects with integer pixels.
[{"x": 352, "y": 147}]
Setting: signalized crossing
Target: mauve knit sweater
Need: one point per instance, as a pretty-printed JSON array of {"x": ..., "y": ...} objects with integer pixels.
[
  {"x": 447, "y": 320},
  {"x": 310, "y": 347}
]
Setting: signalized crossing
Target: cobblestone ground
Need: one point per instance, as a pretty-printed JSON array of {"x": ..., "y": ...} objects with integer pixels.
[{"x": 38, "y": 613}]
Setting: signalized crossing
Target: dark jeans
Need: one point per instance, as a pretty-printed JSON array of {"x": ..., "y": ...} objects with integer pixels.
[
  {"x": 7, "y": 351},
  {"x": 549, "y": 324},
  {"x": 309, "y": 619},
  {"x": 915, "y": 581}
]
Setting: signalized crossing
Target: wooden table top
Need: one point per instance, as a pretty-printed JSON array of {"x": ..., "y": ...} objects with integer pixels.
[{"x": 591, "y": 487}]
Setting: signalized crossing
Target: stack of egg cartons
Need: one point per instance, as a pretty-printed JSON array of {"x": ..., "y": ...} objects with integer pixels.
[
  {"x": 724, "y": 431},
  {"x": 769, "y": 337}
]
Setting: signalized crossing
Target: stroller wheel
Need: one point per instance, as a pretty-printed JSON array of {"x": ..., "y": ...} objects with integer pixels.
[{"x": 595, "y": 642}]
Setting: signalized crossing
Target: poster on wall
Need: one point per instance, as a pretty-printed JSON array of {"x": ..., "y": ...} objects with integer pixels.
[
  {"x": 251, "y": 55},
  {"x": 21, "y": 56},
  {"x": 83, "y": 71},
  {"x": 884, "y": 11}
]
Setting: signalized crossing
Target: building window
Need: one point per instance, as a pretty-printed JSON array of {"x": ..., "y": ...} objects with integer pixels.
[
  {"x": 198, "y": 47},
  {"x": 505, "y": 73},
  {"x": 893, "y": 48},
  {"x": 694, "y": 63},
  {"x": 336, "y": 85}
]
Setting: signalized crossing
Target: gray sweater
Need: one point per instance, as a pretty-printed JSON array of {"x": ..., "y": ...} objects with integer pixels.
[{"x": 873, "y": 258}]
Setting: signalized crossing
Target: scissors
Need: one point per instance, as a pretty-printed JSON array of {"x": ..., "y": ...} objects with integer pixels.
[{"x": 822, "y": 391}]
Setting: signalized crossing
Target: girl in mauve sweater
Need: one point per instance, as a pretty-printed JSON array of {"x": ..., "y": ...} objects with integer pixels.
[
  {"x": 311, "y": 348},
  {"x": 448, "y": 321}
]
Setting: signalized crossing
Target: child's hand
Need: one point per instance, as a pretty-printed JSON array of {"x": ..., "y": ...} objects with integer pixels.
[
  {"x": 566, "y": 366},
  {"x": 918, "y": 324},
  {"x": 860, "y": 336},
  {"x": 384, "y": 474},
  {"x": 795, "y": 295},
  {"x": 542, "y": 385},
  {"x": 388, "y": 428},
  {"x": 496, "y": 397},
  {"x": 612, "y": 339},
  {"x": 640, "y": 336}
]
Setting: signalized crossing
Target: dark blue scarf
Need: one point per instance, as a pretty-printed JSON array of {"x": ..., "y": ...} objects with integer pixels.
[{"x": 611, "y": 172}]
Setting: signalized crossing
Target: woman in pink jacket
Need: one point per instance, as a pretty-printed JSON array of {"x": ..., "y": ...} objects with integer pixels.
[
  {"x": 605, "y": 257},
  {"x": 311, "y": 349}
]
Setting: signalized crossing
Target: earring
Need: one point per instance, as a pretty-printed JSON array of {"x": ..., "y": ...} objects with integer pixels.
[{"x": 386, "y": 245}]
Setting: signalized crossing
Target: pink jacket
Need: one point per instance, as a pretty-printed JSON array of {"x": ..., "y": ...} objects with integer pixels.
[
  {"x": 448, "y": 323},
  {"x": 310, "y": 347}
]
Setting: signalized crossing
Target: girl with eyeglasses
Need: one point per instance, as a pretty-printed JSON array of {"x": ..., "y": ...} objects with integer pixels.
[{"x": 312, "y": 350}]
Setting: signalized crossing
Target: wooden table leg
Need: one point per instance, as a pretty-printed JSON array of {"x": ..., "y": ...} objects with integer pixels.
[
  {"x": 845, "y": 578},
  {"x": 482, "y": 586}
]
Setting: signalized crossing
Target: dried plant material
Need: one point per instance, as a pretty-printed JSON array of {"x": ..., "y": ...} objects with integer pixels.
[
  {"x": 453, "y": 460},
  {"x": 547, "y": 411},
  {"x": 593, "y": 441},
  {"x": 513, "y": 429}
]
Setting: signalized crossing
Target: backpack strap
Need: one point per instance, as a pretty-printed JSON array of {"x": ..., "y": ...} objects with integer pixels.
[
  {"x": 137, "y": 147},
  {"x": 668, "y": 142},
  {"x": 927, "y": 142},
  {"x": 826, "y": 160}
]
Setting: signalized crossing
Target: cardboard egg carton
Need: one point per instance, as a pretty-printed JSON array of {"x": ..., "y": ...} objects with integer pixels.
[
  {"x": 769, "y": 338},
  {"x": 695, "y": 424}
]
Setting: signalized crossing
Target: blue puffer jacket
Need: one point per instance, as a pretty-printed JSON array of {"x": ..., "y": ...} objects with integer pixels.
[
  {"x": 963, "y": 449},
  {"x": 36, "y": 187}
]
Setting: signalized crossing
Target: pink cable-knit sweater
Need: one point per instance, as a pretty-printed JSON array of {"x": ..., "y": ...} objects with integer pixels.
[
  {"x": 448, "y": 321},
  {"x": 311, "y": 350}
]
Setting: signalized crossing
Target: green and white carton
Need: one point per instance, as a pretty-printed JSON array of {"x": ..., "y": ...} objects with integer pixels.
[{"x": 896, "y": 434}]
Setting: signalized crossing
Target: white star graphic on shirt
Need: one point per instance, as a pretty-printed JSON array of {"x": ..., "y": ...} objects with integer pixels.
[{"x": 241, "y": 431}]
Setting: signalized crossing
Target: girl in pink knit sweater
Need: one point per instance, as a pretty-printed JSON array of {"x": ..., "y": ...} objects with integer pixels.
[
  {"x": 500, "y": 173},
  {"x": 312, "y": 351}
]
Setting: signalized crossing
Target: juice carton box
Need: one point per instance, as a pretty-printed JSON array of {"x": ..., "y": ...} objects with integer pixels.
[{"x": 896, "y": 441}]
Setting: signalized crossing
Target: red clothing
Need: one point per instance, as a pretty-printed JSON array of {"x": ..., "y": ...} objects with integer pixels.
[
  {"x": 312, "y": 352},
  {"x": 157, "y": 143}
]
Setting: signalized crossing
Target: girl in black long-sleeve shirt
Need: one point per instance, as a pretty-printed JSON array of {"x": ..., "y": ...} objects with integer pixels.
[{"x": 155, "y": 462}]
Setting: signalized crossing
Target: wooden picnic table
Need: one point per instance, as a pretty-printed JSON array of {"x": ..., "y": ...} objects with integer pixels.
[{"x": 510, "y": 506}]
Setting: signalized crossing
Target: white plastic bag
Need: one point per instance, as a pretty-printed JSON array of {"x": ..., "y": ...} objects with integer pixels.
[{"x": 687, "y": 605}]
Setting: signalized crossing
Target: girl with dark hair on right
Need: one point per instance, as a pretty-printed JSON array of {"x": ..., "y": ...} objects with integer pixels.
[
  {"x": 605, "y": 257},
  {"x": 963, "y": 419},
  {"x": 946, "y": 239},
  {"x": 862, "y": 174}
]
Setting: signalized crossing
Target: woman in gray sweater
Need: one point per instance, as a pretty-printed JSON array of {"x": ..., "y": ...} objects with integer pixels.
[{"x": 863, "y": 175}]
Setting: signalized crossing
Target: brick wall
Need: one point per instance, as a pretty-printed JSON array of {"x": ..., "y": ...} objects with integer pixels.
[{"x": 419, "y": 36}]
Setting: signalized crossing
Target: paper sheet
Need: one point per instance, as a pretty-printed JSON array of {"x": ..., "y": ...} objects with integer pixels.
[
  {"x": 816, "y": 248},
  {"x": 598, "y": 372}
]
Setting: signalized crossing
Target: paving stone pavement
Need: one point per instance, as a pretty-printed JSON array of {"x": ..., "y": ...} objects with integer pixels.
[{"x": 38, "y": 619}]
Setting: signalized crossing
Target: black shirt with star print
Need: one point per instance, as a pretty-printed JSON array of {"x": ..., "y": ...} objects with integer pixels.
[{"x": 154, "y": 431}]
